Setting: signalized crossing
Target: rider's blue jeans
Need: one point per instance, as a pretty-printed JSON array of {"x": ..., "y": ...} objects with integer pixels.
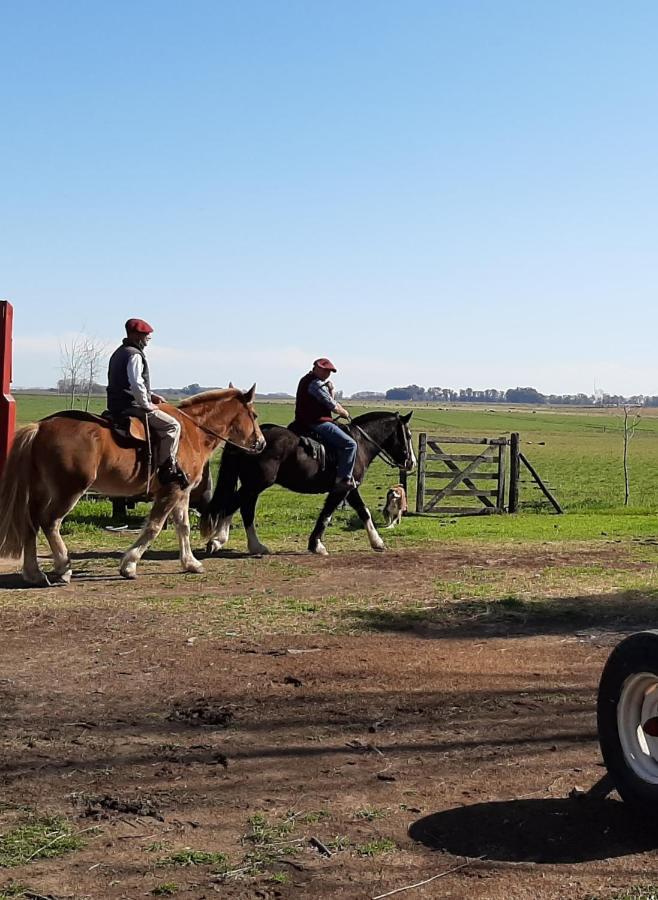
[{"x": 330, "y": 434}]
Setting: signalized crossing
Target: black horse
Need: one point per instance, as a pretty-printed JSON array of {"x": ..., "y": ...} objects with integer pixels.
[{"x": 285, "y": 461}]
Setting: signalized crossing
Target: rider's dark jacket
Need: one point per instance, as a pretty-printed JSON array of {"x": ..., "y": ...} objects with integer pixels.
[
  {"x": 310, "y": 409},
  {"x": 119, "y": 393}
]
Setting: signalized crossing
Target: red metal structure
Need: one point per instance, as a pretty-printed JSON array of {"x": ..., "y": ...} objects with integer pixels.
[{"x": 7, "y": 404}]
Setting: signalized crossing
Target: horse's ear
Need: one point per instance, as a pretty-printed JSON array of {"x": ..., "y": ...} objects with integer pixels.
[
  {"x": 231, "y": 385},
  {"x": 248, "y": 396},
  {"x": 406, "y": 418}
]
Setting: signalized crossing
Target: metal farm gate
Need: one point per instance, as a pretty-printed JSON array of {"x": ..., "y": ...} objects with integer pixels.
[{"x": 457, "y": 474}]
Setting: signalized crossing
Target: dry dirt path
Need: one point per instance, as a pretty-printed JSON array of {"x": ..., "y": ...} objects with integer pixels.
[{"x": 416, "y": 747}]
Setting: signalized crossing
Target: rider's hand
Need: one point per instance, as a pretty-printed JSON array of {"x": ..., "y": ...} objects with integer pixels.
[
  {"x": 156, "y": 398},
  {"x": 341, "y": 411}
]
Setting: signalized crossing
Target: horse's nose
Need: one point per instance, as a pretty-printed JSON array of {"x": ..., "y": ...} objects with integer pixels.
[{"x": 260, "y": 445}]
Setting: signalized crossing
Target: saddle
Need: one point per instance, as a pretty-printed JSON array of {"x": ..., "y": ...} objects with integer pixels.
[
  {"x": 128, "y": 430},
  {"x": 312, "y": 446}
]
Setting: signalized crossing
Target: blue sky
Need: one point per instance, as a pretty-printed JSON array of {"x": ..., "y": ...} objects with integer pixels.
[{"x": 447, "y": 193}]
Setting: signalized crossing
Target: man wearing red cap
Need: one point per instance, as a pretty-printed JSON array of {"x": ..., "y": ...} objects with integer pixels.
[
  {"x": 129, "y": 394},
  {"x": 314, "y": 405}
]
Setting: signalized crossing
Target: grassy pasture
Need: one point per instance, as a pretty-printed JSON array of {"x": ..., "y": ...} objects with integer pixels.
[{"x": 578, "y": 452}]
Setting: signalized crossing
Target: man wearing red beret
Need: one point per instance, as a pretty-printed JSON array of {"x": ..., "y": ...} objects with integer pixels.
[
  {"x": 129, "y": 393},
  {"x": 314, "y": 405}
]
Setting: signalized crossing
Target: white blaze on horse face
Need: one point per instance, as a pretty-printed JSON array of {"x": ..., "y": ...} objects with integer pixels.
[{"x": 410, "y": 446}]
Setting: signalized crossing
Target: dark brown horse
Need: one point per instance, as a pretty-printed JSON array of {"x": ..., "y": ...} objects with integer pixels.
[
  {"x": 53, "y": 462},
  {"x": 286, "y": 462}
]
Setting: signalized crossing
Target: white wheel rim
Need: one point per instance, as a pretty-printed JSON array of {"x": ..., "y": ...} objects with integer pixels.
[{"x": 638, "y": 702}]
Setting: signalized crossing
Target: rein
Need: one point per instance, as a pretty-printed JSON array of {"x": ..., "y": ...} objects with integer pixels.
[
  {"x": 385, "y": 455},
  {"x": 209, "y": 431}
]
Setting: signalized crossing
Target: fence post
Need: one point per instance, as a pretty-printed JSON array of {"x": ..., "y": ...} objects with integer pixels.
[
  {"x": 514, "y": 467},
  {"x": 7, "y": 404},
  {"x": 420, "y": 484},
  {"x": 502, "y": 474}
]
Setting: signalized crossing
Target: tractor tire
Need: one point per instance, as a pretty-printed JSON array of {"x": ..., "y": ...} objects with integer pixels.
[{"x": 627, "y": 704}]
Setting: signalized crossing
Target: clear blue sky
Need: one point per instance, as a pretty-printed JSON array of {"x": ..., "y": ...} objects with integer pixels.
[{"x": 448, "y": 193}]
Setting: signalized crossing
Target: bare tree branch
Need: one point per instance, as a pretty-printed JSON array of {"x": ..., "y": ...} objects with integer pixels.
[{"x": 80, "y": 364}]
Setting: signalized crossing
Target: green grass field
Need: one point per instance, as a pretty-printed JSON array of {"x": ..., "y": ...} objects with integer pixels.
[{"x": 578, "y": 452}]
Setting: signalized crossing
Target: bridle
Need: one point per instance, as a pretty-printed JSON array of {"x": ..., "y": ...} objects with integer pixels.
[{"x": 385, "y": 455}]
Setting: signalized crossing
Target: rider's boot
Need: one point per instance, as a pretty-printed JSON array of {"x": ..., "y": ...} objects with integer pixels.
[{"x": 171, "y": 473}]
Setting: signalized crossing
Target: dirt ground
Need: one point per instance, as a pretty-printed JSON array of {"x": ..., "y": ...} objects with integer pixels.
[{"x": 420, "y": 747}]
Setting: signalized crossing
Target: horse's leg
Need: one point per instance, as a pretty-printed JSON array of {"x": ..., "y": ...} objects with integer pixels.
[
  {"x": 356, "y": 502},
  {"x": 223, "y": 528},
  {"x": 61, "y": 560},
  {"x": 32, "y": 573},
  {"x": 180, "y": 515},
  {"x": 315, "y": 544},
  {"x": 162, "y": 506},
  {"x": 221, "y": 535},
  {"x": 51, "y": 526},
  {"x": 248, "y": 511}
]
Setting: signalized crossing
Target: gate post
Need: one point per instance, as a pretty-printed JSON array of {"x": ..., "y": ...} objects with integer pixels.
[
  {"x": 7, "y": 404},
  {"x": 420, "y": 484},
  {"x": 502, "y": 475},
  {"x": 514, "y": 466}
]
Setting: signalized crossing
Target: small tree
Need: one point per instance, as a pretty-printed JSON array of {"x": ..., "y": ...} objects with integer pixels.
[
  {"x": 71, "y": 364},
  {"x": 94, "y": 353},
  {"x": 631, "y": 418},
  {"x": 80, "y": 365}
]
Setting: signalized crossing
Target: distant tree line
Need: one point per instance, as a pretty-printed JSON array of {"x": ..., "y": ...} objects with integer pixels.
[{"x": 512, "y": 395}]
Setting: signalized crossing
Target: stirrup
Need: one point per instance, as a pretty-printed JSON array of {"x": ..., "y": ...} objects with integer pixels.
[{"x": 171, "y": 473}]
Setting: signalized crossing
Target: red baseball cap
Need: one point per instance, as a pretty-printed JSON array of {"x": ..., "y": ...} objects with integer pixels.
[
  {"x": 138, "y": 325},
  {"x": 325, "y": 363}
]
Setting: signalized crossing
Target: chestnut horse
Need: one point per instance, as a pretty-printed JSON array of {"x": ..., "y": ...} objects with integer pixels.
[{"x": 53, "y": 462}]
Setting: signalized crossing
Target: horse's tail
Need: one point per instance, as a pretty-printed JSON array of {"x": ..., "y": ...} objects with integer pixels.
[
  {"x": 227, "y": 482},
  {"x": 15, "y": 520}
]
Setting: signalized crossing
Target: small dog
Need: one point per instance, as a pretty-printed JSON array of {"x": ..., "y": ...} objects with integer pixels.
[{"x": 396, "y": 504}]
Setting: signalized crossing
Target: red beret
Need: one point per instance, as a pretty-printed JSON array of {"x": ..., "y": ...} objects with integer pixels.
[
  {"x": 325, "y": 363},
  {"x": 138, "y": 325}
]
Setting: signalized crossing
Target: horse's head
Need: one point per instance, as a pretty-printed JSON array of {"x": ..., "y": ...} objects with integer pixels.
[
  {"x": 229, "y": 414},
  {"x": 388, "y": 434},
  {"x": 243, "y": 429},
  {"x": 400, "y": 444}
]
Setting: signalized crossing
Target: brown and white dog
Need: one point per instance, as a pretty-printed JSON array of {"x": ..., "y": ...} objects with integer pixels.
[{"x": 396, "y": 504}]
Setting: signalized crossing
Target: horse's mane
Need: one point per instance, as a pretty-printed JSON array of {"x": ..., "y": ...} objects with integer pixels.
[
  {"x": 206, "y": 396},
  {"x": 373, "y": 416}
]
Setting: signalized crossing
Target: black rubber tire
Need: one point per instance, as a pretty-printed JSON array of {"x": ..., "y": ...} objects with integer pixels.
[{"x": 635, "y": 654}]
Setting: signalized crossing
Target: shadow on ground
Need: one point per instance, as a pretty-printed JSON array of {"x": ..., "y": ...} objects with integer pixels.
[
  {"x": 540, "y": 831},
  {"x": 619, "y": 613}
]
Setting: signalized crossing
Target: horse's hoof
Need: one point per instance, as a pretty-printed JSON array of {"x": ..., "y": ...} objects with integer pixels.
[
  {"x": 213, "y": 547},
  {"x": 380, "y": 549},
  {"x": 130, "y": 574},
  {"x": 194, "y": 569},
  {"x": 40, "y": 580},
  {"x": 320, "y": 550},
  {"x": 58, "y": 581},
  {"x": 64, "y": 578},
  {"x": 261, "y": 550}
]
